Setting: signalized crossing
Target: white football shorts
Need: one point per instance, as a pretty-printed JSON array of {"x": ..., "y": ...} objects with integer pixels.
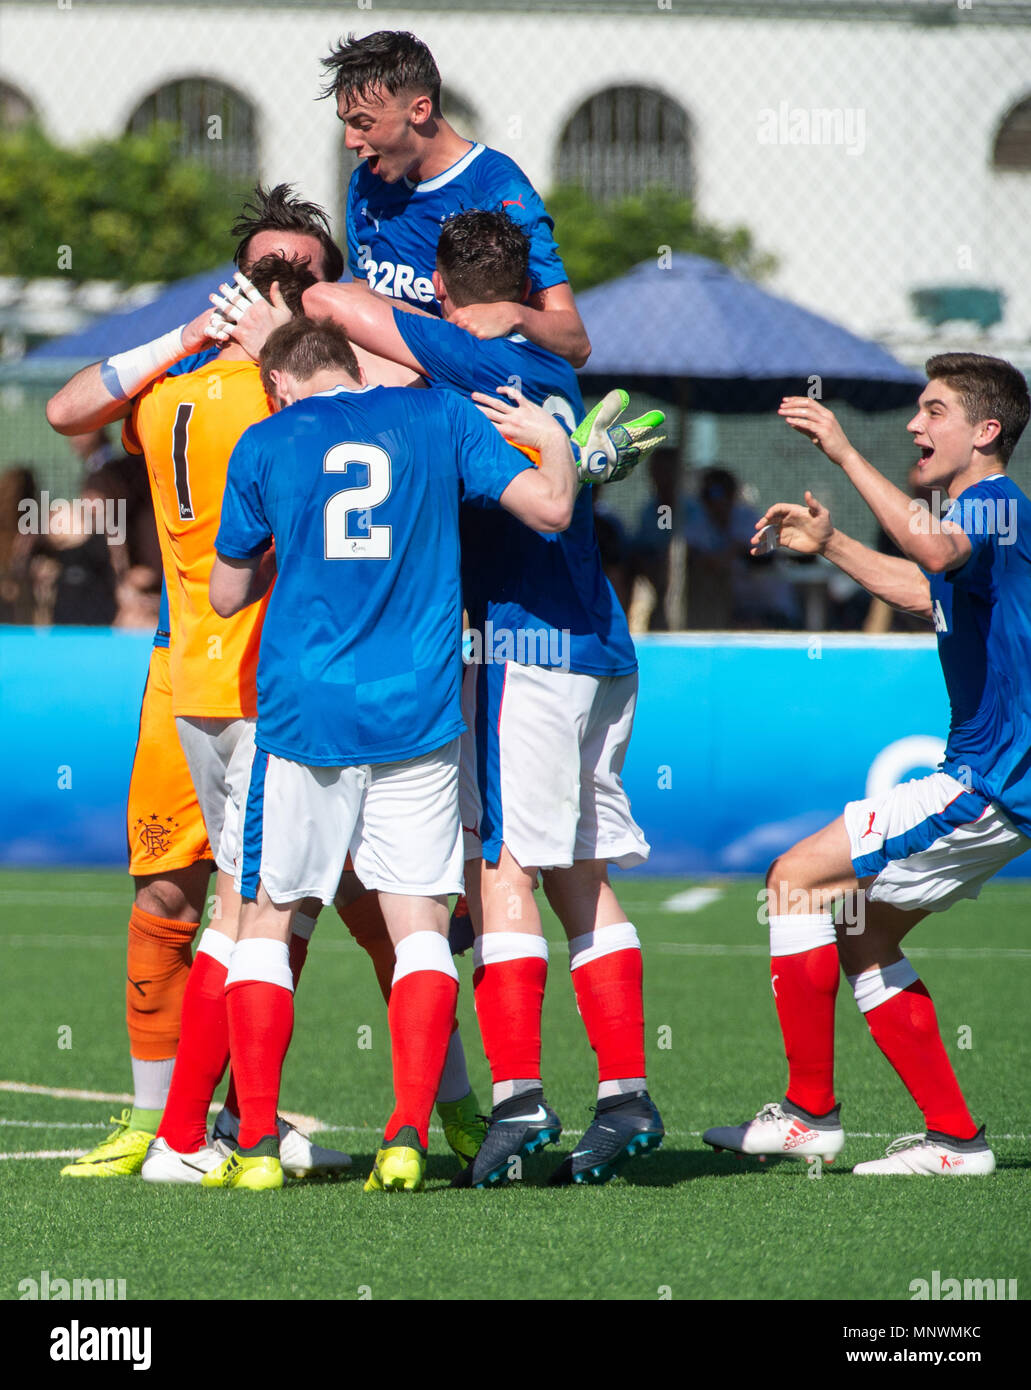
[
  {"x": 399, "y": 821},
  {"x": 219, "y": 753},
  {"x": 929, "y": 842},
  {"x": 549, "y": 748}
]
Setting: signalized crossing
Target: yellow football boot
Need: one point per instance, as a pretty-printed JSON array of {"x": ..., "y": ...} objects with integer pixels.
[
  {"x": 120, "y": 1155},
  {"x": 464, "y": 1127},
  {"x": 400, "y": 1165},
  {"x": 257, "y": 1169}
]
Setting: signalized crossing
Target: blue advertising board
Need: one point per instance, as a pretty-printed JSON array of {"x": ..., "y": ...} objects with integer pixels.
[{"x": 742, "y": 744}]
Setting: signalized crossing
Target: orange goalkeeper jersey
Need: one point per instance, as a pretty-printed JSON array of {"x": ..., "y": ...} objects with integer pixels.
[{"x": 186, "y": 426}]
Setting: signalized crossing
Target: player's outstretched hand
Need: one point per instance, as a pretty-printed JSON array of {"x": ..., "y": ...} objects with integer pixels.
[
  {"x": 803, "y": 529},
  {"x": 818, "y": 424},
  {"x": 521, "y": 422},
  {"x": 487, "y": 320},
  {"x": 607, "y": 452},
  {"x": 245, "y": 316}
]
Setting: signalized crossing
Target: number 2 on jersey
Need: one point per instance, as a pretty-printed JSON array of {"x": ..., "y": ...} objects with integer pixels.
[{"x": 374, "y": 542}]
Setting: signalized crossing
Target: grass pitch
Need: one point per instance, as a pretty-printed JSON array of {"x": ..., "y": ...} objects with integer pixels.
[{"x": 684, "y": 1223}]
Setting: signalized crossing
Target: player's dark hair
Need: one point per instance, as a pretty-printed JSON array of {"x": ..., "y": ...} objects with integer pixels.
[
  {"x": 391, "y": 59},
  {"x": 277, "y": 210},
  {"x": 305, "y": 346},
  {"x": 293, "y": 276},
  {"x": 483, "y": 258},
  {"x": 989, "y": 389}
]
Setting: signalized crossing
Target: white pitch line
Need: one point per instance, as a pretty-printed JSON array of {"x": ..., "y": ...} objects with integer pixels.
[
  {"x": 17, "y": 942},
  {"x": 25, "y": 1088},
  {"x": 755, "y": 948},
  {"x": 52, "y": 898},
  {"x": 46, "y": 1153},
  {"x": 692, "y": 899},
  {"x": 49, "y": 1124},
  {"x": 306, "y": 1123}
]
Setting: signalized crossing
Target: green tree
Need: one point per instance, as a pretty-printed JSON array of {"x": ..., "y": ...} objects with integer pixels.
[
  {"x": 129, "y": 209},
  {"x": 600, "y": 241}
]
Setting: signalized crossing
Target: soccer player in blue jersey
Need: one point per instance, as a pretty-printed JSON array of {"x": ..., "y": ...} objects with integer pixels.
[
  {"x": 416, "y": 171},
  {"x": 551, "y": 701},
  {"x": 358, "y": 695},
  {"x": 927, "y": 843}
]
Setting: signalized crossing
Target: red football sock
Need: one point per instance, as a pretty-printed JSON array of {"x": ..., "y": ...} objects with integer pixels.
[
  {"x": 298, "y": 948},
  {"x": 608, "y": 995},
  {"x": 421, "y": 1013},
  {"x": 509, "y": 997},
  {"x": 905, "y": 1028},
  {"x": 261, "y": 1023},
  {"x": 805, "y": 987},
  {"x": 203, "y": 1048}
]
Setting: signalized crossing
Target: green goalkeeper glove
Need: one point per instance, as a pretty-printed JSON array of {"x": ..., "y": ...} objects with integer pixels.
[{"x": 607, "y": 452}]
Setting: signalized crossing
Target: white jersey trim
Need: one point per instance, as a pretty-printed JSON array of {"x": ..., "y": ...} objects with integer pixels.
[{"x": 431, "y": 185}]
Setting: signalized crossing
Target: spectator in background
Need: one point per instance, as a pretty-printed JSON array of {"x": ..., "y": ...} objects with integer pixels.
[
  {"x": 616, "y": 559},
  {"x": 726, "y": 586},
  {"x": 135, "y": 555},
  {"x": 656, "y": 530},
  {"x": 17, "y": 601},
  {"x": 72, "y": 570}
]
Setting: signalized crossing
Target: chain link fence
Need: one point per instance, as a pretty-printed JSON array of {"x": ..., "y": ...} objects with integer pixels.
[{"x": 869, "y": 161}]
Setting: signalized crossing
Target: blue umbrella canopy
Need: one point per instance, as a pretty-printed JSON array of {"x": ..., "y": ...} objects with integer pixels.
[
  {"x": 176, "y": 304},
  {"x": 697, "y": 334}
]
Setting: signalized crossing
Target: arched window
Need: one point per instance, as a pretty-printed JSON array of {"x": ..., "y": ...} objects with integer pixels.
[
  {"x": 216, "y": 124},
  {"x": 1012, "y": 151},
  {"x": 624, "y": 139},
  {"x": 15, "y": 107}
]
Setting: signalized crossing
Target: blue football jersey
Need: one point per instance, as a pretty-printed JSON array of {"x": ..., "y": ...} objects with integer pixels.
[
  {"x": 393, "y": 228},
  {"x": 361, "y": 648},
  {"x": 185, "y": 365},
  {"x": 982, "y": 615},
  {"x": 163, "y": 631},
  {"x": 519, "y": 580}
]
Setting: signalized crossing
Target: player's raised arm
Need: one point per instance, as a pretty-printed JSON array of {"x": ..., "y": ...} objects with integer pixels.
[
  {"x": 103, "y": 392},
  {"x": 367, "y": 317},
  {"x": 549, "y": 318},
  {"x": 943, "y": 548},
  {"x": 808, "y": 530},
  {"x": 542, "y": 497}
]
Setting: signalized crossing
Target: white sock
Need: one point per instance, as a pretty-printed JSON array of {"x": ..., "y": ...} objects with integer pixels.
[
  {"x": 505, "y": 1090},
  {"x": 454, "y": 1082},
  {"x": 150, "y": 1082},
  {"x": 261, "y": 958},
  {"x": 303, "y": 925},
  {"x": 627, "y": 1086},
  {"x": 793, "y": 933},
  {"x": 423, "y": 950},
  {"x": 877, "y": 986}
]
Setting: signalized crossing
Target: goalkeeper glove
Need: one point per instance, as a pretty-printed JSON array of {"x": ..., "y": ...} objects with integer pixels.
[{"x": 607, "y": 452}]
